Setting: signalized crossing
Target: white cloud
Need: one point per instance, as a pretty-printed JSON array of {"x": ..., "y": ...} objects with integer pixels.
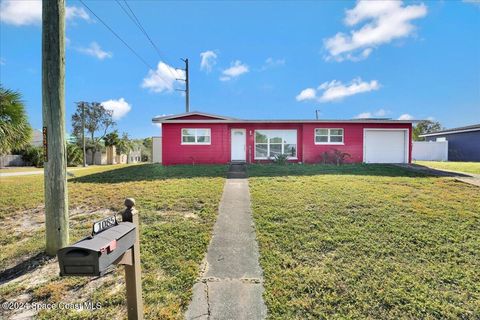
[
  {"x": 384, "y": 21},
  {"x": 272, "y": 63},
  {"x": 365, "y": 115},
  {"x": 307, "y": 94},
  {"x": 405, "y": 116},
  {"x": 336, "y": 90},
  {"x": 236, "y": 69},
  {"x": 119, "y": 107},
  {"x": 76, "y": 12},
  {"x": 162, "y": 79},
  {"x": 94, "y": 50},
  {"x": 29, "y": 12},
  {"x": 209, "y": 59}
]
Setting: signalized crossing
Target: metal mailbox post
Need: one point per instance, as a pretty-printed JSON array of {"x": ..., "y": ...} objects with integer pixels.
[{"x": 111, "y": 243}]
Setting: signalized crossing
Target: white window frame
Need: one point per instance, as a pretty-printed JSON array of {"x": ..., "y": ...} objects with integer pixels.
[
  {"x": 329, "y": 136},
  {"x": 268, "y": 144},
  {"x": 196, "y": 136}
]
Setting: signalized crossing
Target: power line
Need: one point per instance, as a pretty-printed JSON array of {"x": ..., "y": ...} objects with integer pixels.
[
  {"x": 116, "y": 35},
  {"x": 139, "y": 25}
]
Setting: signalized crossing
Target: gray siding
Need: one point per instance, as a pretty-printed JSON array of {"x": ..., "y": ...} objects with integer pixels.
[{"x": 463, "y": 146}]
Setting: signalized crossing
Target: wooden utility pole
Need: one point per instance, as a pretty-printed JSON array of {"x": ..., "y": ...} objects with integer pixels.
[
  {"x": 53, "y": 112},
  {"x": 187, "y": 86},
  {"x": 83, "y": 135}
]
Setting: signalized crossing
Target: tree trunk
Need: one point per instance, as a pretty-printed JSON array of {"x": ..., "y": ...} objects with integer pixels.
[{"x": 53, "y": 111}]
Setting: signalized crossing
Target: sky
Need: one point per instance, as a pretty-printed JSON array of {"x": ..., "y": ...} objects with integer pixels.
[{"x": 255, "y": 60}]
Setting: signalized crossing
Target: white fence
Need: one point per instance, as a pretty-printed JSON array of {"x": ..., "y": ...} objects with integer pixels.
[
  {"x": 430, "y": 150},
  {"x": 157, "y": 150}
]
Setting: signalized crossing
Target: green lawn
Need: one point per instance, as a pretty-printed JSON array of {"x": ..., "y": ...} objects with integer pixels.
[
  {"x": 467, "y": 167},
  {"x": 366, "y": 241},
  {"x": 177, "y": 206}
]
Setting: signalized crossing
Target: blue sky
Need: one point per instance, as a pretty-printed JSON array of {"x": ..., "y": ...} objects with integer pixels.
[{"x": 260, "y": 59}]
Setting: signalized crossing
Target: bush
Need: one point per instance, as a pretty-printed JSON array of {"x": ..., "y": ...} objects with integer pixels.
[
  {"x": 334, "y": 156},
  {"x": 74, "y": 155},
  {"x": 280, "y": 159},
  {"x": 33, "y": 156}
]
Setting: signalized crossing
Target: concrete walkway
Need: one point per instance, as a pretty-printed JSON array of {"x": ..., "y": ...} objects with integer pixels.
[
  {"x": 470, "y": 178},
  {"x": 27, "y": 173},
  {"x": 231, "y": 284}
]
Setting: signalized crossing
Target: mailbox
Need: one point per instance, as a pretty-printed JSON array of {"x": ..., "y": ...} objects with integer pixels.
[{"x": 94, "y": 254}]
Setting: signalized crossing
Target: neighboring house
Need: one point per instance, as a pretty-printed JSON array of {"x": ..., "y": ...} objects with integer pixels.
[
  {"x": 200, "y": 138},
  {"x": 37, "y": 138},
  {"x": 463, "y": 142},
  {"x": 135, "y": 156}
]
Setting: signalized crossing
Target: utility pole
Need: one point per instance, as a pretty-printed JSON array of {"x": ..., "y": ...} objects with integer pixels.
[
  {"x": 53, "y": 112},
  {"x": 187, "y": 86},
  {"x": 317, "y": 114},
  {"x": 83, "y": 135}
]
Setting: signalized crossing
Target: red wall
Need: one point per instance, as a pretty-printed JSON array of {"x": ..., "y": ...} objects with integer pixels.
[
  {"x": 173, "y": 152},
  {"x": 218, "y": 152},
  {"x": 352, "y": 137}
]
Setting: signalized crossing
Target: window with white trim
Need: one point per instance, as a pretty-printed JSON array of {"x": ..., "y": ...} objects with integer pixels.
[
  {"x": 196, "y": 136},
  {"x": 328, "y": 136},
  {"x": 269, "y": 143}
]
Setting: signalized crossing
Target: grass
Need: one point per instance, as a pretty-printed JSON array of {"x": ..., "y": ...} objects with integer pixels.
[
  {"x": 366, "y": 241},
  {"x": 177, "y": 206},
  {"x": 467, "y": 167}
]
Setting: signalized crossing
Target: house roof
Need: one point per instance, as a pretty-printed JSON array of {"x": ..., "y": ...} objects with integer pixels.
[
  {"x": 474, "y": 127},
  {"x": 185, "y": 118}
]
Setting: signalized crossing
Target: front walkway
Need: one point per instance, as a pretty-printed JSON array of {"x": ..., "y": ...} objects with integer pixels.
[
  {"x": 470, "y": 178},
  {"x": 231, "y": 284}
]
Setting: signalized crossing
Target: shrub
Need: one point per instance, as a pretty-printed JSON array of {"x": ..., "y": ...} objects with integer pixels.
[
  {"x": 74, "y": 155},
  {"x": 334, "y": 156},
  {"x": 280, "y": 159},
  {"x": 325, "y": 157},
  {"x": 33, "y": 156},
  {"x": 339, "y": 157}
]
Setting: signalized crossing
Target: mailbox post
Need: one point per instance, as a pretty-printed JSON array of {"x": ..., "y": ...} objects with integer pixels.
[
  {"x": 133, "y": 275},
  {"x": 111, "y": 243}
]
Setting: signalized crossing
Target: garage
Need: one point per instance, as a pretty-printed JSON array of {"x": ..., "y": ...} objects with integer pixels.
[{"x": 385, "y": 146}]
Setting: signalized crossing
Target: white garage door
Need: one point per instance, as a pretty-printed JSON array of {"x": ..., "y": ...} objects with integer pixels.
[{"x": 385, "y": 146}]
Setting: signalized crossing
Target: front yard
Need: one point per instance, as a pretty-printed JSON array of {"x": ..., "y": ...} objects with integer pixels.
[
  {"x": 467, "y": 167},
  {"x": 177, "y": 205},
  {"x": 366, "y": 241},
  {"x": 355, "y": 241}
]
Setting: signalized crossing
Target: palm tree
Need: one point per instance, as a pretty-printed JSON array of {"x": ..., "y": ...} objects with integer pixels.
[{"x": 15, "y": 131}]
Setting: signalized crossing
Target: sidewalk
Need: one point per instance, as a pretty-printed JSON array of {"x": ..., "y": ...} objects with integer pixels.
[
  {"x": 26, "y": 173},
  {"x": 231, "y": 284},
  {"x": 470, "y": 178}
]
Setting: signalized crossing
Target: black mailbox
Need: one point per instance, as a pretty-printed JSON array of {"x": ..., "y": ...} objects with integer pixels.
[{"x": 93, "y": 255}]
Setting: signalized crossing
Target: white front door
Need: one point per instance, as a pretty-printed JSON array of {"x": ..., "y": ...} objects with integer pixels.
[{"x": 239, "y": 145}]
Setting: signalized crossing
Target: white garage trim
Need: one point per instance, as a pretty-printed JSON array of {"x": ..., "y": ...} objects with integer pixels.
[{"x": 405, "y": 139}]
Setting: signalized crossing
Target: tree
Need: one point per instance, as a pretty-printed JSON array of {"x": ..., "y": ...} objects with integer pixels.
[
  {"x": 125, "y": 145},
  {"x": 425, "y": 126},
  {"x": 111, "y": 139},
  {"x": 147, "y": 150},
  {"x": 97, "y": 122},
  {"x": 15, "y": 131}
]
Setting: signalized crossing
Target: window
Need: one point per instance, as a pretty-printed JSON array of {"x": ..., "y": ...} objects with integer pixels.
[
  {"x": 328, "y": 136},
  {"x": 195, "y": 136},
  {"x": 269, "y": 143}
]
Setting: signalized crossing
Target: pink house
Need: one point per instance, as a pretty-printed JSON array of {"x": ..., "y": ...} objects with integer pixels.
[{"x": 201, "y": 138}]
